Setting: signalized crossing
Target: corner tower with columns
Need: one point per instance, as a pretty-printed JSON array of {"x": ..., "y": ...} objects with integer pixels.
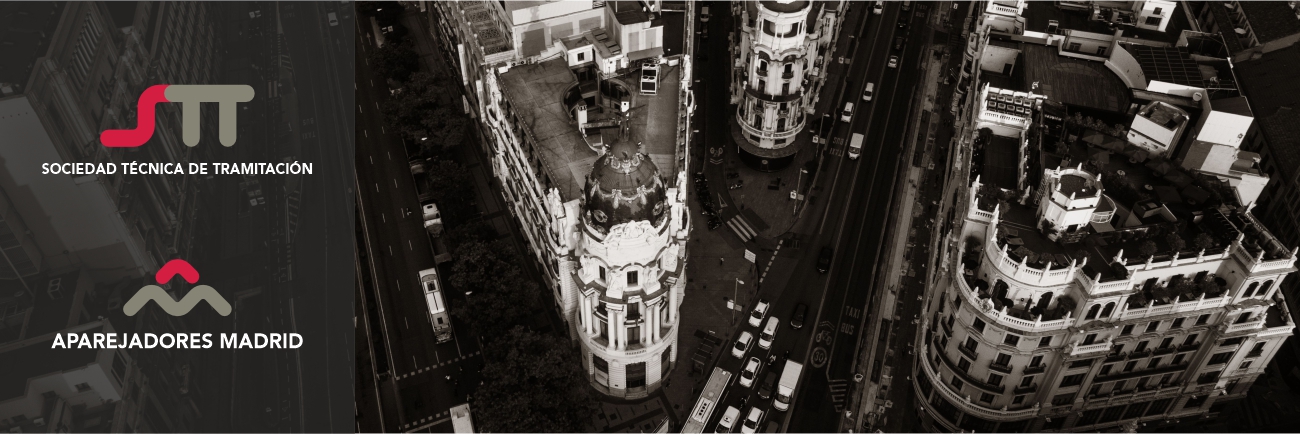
[{"x": 626, "y": 264}]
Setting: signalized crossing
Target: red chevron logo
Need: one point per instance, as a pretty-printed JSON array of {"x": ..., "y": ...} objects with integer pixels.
[{"x": 174, "y": 267}]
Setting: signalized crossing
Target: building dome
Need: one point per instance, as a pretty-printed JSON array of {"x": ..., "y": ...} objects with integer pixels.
[{"x": 624, "y": 186}]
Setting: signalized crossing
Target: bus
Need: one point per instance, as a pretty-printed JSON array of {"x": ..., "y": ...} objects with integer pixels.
[
  {"x": 437, "y": 306},
  {"x": 461, "y": 422},
  {"x": 714, "y": 391}
]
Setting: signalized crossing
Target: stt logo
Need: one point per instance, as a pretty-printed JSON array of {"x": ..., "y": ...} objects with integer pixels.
[{"x": 190, "y": 96}]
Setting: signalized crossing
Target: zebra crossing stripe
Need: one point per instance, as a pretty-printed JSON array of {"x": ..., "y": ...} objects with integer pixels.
[{"x": 741, "y": 228}]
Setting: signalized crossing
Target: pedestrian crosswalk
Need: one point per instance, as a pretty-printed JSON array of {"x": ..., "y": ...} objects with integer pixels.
[
  {"x": 742, "y": 228},
  {"x": 839, "y": 389}
]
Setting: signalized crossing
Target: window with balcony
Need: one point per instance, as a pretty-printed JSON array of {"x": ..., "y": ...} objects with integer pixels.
[
  {"x": 1208, "y": 377},
  {"x": 1178, "y": 323},
  {"x": 957, "y": 383},
  {"x": 978, "y": 325},
  {"x": 1245, "y": 317},
  {"x": 1064, "y": 399},
  {"x": 963, "y": 364},
  {"x": 1019, "y": 399},
  {"x": 1155, "y": 361},
  {"x": 602, "y": 273},
  {"x": 1178, "y": 359},
  {"x": 1203, "y": 319},
  {"x": 1220, "y": 358},
  {"x": 1233, "y": 341},
  {"x": 1127, "y": 330},
  {"x": 1094, "y": 390},
  {"x": 995, "y": 379},
  {"x": 1090, "y": 339},
  {"x": 1071, "y": 380},
  {"x": 1105, "y": 369},
  {"x": 986, "y": 397},
  {"x": 1003, "y": 359},
  {"x": 1257, "y": 350},
  {"x": 1142, "y": 346},
  {"x": 1026, "y": 381},
  {"x": 1011, "y": 340},
  {"x": 971, "y": 345},
  {"x": 1191, "y": 339},
  {"x": 632, "y": 278},
  {"x": 1046, "y": 341},
  {"x": 1081, "y": 363},
  {"x": 1166, "y": 342},
  {"x": 1246, "y": 365},
  {"x": 1128, "y": 367},
  {"x": 1153, "y": 326},
  {"x": 1117, "y": 350}
]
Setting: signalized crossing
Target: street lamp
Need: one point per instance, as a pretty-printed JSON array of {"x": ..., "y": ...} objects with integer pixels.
[
  {"x": 798, "y": 184},
  {"x": 734, "y": 290}
]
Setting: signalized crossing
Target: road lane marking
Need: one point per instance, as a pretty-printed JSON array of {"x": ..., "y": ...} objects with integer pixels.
[
  {"x": 411, "y": 246},
  {"x": 382, "y": 130},
  {"x": 383, "y": 217},
  {"x": 408, "y": 323},
  {"x": 394, "y": 182},
  {"x": 376, "y": 187},
  {"x": 359, "y": 108},
  {"x": 372, "y": 159},
  {"x": 367, "y": 133},
  {"x": 376, "y": 105}
]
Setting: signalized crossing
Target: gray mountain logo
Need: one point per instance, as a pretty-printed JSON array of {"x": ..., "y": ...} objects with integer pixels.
[{"x": 185, "y": 304}]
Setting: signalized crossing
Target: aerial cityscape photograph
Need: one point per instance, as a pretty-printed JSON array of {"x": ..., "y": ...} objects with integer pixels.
[{"x": 827, "y": 216}]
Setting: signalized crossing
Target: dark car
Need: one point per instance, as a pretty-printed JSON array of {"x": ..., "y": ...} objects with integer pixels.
[
  {"x": 796, "y": 319},
  {"x": 765, "y": 388},
  {"x": 898, "y": 43},
  {"x": 824, "y": 259}
]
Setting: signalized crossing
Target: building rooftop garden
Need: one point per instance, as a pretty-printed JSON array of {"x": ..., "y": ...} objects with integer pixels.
[{"x": 1151, "y": 208}]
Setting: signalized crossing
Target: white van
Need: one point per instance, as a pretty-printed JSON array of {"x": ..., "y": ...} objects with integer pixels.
[
  {"x": 769, "y": 333},
  {"x": 704, "y": 14},
  {"x": 855, "y": 150},
  {"x": 728, "y": 421},
  {"x": 869, "y": 92},
  {"x": 847, "y": 114}
]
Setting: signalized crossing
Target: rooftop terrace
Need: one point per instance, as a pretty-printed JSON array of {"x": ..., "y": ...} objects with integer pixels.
[
  {"x": 537, "y": 94},
  {"x": 1073, "y": 82},
  {"x": 1038, "y": 14}
]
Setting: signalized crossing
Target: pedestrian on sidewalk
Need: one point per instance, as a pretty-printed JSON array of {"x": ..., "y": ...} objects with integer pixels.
[{"x": 721, "y": 261}]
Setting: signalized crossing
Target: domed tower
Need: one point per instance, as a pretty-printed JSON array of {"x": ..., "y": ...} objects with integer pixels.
[{"x": 630, "y": 272}]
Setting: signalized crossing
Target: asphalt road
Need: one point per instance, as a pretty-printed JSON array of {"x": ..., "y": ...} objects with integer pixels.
[
  {"x": 417, "y": 393},
  {"x": 322, "y": 74},
  {"x": 854, "y": 219}
]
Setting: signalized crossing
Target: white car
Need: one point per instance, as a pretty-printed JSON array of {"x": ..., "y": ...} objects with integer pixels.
[
  {"x": 868, "y": 92},
  {"x": 750, "y": 373},
  {"x": 878, "y": 8},
  {"x": 743, "y": 343},
  {"x": 760, "y": 311},
  {"x": 728, "y": 421},
  {"x": 893, "y": 61},
  {"x": 847, "y": 114},
  {"x": 752, "y": 421}
]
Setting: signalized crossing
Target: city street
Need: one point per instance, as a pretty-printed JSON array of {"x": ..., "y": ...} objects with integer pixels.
[
  {"x": 423, "y": 379},
  {"x": 857, "y": 229},
  {"x": 854, "y": 227}
]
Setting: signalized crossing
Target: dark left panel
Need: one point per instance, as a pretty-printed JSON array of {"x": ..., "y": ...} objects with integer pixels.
[{"x": 241, "y": 218}]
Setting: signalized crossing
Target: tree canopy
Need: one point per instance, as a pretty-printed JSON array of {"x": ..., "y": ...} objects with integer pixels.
[{"x": 533, "y": 382}]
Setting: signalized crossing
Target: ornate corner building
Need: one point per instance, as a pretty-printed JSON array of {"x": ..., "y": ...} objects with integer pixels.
[
  {"x": 781, "y": 51},
  {"x": 584, "y": 117},
  {"x": 1098, "y": 276}
]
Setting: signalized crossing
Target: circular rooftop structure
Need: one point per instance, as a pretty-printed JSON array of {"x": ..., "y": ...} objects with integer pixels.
[{"x": 624, "y": 186}]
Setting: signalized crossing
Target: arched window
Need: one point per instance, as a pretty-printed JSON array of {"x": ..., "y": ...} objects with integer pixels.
[
  {"x": 1250, "y": 290},
  {"x": 1092, "y": 311},
  {"x": 1110, "y": 307},
  {"x": 1264, "y": 289}
]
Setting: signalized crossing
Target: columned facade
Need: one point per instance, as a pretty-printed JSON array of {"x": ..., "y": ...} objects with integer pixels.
[{"x": 629, "y": 257}]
